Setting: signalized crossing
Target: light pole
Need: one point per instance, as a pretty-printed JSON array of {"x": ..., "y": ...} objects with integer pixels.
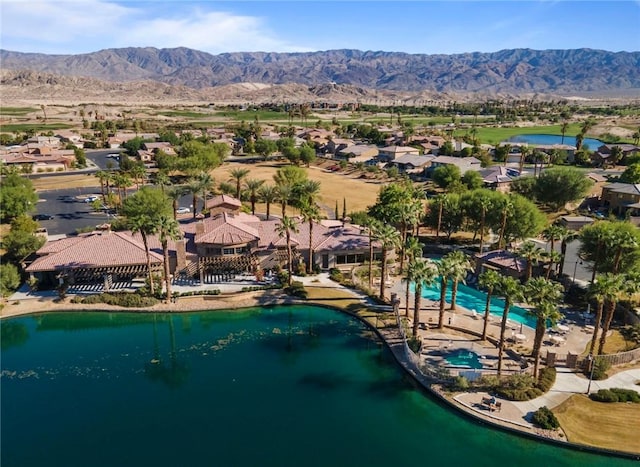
[
  {"x": 592, "y": 366},
  {"x": 575, "y": 270}
]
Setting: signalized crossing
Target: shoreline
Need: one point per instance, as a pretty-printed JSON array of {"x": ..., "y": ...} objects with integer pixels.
[{"x": 263, "y": 298}]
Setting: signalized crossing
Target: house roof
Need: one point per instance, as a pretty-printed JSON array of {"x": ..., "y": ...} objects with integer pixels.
[
  {"x": 498, "y": 174},
  {"x": 504, "y": 259},
  {"x": 226, "y": 229},
  {"x": 223, "y": 200},
  {"x": 413, "y": 159},
  {"x": 624, "y": 188},
  {"x": 104, "y": 249}
]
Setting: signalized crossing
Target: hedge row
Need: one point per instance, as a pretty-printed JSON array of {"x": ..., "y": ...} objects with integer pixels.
[
  {"x": 616, "y": 395},
  {"x": 126, "y": 299}
]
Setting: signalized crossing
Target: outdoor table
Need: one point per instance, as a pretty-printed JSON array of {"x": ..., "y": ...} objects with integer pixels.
[
  {"x": 562, "y": 327},
  {"x": 557, "y": 340},
  {"x": 520, "y": 337}
]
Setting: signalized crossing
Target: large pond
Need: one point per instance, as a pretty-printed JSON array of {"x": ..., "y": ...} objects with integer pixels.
[
  {"x": 284, "y": 386},
  {"x": 592, "y": 144}
]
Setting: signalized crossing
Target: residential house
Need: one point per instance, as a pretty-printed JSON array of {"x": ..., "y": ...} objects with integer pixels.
[
  {"x": 463, "y": 163},
  {"x": 411, "y": 163},
  {"x": 621, "y": 197},
  {"x": 222, "y": 203},
  {"x": 498, "y": 177},
  {"x": 575, "y": 222},
  {"x": 390, "y": 153},
  {"x": 357, "y": 153},
  {"x": 602, "y": 155}
]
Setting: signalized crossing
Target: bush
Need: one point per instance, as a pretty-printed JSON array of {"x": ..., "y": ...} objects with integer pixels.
[
  {"x": 546, "y": 378},
  {"x": 414, "y": 344},
  {"x": 297, "y": 290},
  {"x": 600, "y": 367},
  {"x": 616, "y": 395},
  {"x": 129, "y": 300},
  {"x": 522, "y": 387},
  {"x": 544, "y": 418},
  {"x": 336, "y": 275},
  {"x": 460, "y": 383}
]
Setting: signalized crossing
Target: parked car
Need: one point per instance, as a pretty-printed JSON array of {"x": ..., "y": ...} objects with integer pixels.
[
  {"x": 42, "y": 217},
  {"x": 90, "y": 199},
  {"x": 183, "y": 210}
]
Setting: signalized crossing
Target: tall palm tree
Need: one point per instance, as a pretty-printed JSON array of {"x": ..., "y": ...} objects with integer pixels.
[
  {"x": 146, "y": 226},
  {"x": 422, "y": 274},
  {"x": 168, "y": 229},
  {"x": 524, "y": 152},
  {"x": 285, "y": 228},
  {"x": 162, "y": 179},
  {"x": 460, "y": 265},
  {"x": 616, "y": 284},
  {"x": 138, "y": 173},
  {"x": 531, "y": 253},
  {"x": 238, "y": 175},
  {"x": 285, "y": 193},
  {"x": 310, "y": 214},
  {"x": 507, "y": 208},
  {"x": 485, "y": 203},
  {"x": 488, "y": 280},
  {"x": 174, "y": 194},
  {"x": 193, "y": 186},
  {"x": 408, "y": 215},
  {"x": 206, "y": 182},
  {"x": 621, "y": 242},
  {"x": 389, "y": 238},
  {"x": 268, "y": 194},
  {"x": 371, "y": 226},
  {"x": 253, "y": 186},
  {"x": 444, "y": 271},
  {"x": 102, "y": 176},
  {"x": 602, "y": 290},
  {"x": 552, "y": 233},
  {"x": 552, "y": 257},
  {"x": 563, "y": 130},
  {"x": 511, "y": 291},
  {"x": 413, "y": 251},
  {"x": 544, "y": 295},
  {"x": 439, "y": 201}
]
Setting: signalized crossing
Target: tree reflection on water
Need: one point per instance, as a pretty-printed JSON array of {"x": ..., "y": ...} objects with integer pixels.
[{"x": 171, "y": 372}]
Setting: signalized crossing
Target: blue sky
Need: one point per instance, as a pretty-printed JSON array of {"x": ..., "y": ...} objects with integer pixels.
[{"x": 79, "y": 26}]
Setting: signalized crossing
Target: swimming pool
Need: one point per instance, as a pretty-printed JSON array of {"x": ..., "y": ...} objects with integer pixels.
[
  {"x": 473, "y": 299},
  {"x": 464, "y": 359}
]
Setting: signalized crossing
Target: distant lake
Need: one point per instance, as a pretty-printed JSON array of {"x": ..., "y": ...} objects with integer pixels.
[{"x": 593, "y": 144}]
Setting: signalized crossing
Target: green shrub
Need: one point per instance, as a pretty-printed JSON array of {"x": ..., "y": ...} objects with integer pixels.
[
  {"x": 604, "y": 395},
  {"x": 616, "y": 395},
  {"x": 544, "y": 418},
  {"x": 336, "y": 275},
  {"x": 129, "y": 300},
  {"x": 297, "y": 290},
  {"x": 460, "y": 383},
  {"x": 414, "y": 344},
  {"x": 546, "y": 378},
  {"x": 600, "y": 367}
]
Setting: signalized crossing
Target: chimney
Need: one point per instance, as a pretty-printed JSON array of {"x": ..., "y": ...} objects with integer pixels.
[
  {"x": 199, "y": 228},
  {"x": 181, "y": 254}
]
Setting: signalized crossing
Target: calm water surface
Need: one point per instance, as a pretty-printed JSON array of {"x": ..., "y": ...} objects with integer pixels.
[
  {"x": 593, "y": 144},
  {"x": 285, "y": 386}
]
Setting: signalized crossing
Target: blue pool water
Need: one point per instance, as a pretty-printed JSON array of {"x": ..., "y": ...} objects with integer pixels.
[
  {"x": 473, "y": 299},
  {"x": 464, "y": 359},
  {"x": 593, "y": 144}
]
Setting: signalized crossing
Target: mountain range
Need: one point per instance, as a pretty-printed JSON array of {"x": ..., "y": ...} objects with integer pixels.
[{"x": 576, "y": 72}]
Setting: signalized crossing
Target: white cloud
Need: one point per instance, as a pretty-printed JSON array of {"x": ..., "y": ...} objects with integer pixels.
[{"x": 76, "y": 26}]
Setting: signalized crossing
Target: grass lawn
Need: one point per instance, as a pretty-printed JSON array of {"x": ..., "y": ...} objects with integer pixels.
[
  {"x": 65, "y": 181},
  {"x": 359, "y": 194},
  {"x": 605, "y": 425},
  {"x": 38, "y": 127},
  {"x": 334, "y": 297},
  {"x": 15, "y": 111}
]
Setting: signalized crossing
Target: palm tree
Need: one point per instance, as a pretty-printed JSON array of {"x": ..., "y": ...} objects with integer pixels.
[
  {"x": 146, "y": 226},
  {"x": 439, "y": 200},
  {"x": 444, "y": 270},
  {"x": 193, "y": 187},
  {"x": 485, "y": 203},
  {"x": 531, "y": 253},
  {"x": 174, "y": 194},
  {"x": 310, "y": 214},
  {"x": 602, "y": 290},
  {"x": 460, "y": 266},
  {"x": 102, "y": 176},
  {"x": 206, "y": 182},
  {"x": 389, "y": 238},
  {"x": 563, "y": 130},
  {"x": 553, "y": 232},
  {"x": 162, "y": 179},
  {"x": 507, "y": 208},
  {"x": 621, "y": 242},
  {"x": 372, "y": 227},
  {"x": 511, "y": 290},
  {"x": 168, "y": 229},
  {"x": 287, "y": 226},
  {"x": 268, "y": 194},
  {"x": 616, "y": 287},
  {"x": 238, "y": 175},
  {"x": 544, "y": 295},
  {"x": 138, "y": 172},
  {"x": 413, "y": 250},
  {"x": 524, "y": 152},
  {"x": 422, "y": 274},
  {"x": 253, "y": 186},
  {"x": 285, "y": 192},
  {"x": 408, "y": 214},
  {"x": 488, "y": 280},
  {"x": 552, "y": 257}
]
